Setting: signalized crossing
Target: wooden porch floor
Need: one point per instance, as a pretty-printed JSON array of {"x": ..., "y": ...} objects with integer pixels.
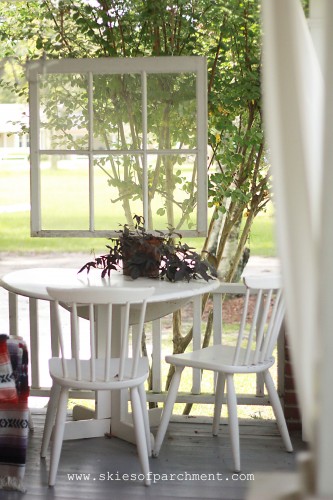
[{"x": 189, "y": 449}]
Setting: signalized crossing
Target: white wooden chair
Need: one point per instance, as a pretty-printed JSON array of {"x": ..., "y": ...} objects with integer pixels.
[
  {"x": 252, "y": 353},
  {"x": 98, "y": 373}
]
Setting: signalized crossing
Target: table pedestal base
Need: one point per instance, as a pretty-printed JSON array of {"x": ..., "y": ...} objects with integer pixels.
[{"x": 85, "y": 425}]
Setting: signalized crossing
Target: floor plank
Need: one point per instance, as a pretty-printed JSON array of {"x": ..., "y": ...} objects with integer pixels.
[{"x": 192, "y": 464}]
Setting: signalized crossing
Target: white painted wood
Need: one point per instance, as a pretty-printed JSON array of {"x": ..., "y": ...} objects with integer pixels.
[
  {"x": 34, "y": 342},
  {"x": 157, "y": 356},
  {"x": 233, "y": 421},
  {"x": 243, "y": 399},
  {"x": 87, "y": 428},
  {"x": 140, "y": 433},
  {"x": 149, "y": 442},
  {"x": 219, "y": 394},
  {"x": 168, "y": 297},
  {"x": 54, "y": 330},
  {"x": 50, "y": 419},
  {"x": 167, "y": 410},
  {"x": 293, "y": 93},
  {"x": 324, "y": 405},
  {"x": 104, "y": 373},
  {"x": 202, "y": 149},
  {"x": 278, "y": 412},
  {"x": 145, "y": 188},
  {"x": 316, "y": 22},
  {"x": 34, "y": 136},
  {"x": 109, "y": 66},
  {"x": 260, "y": 384},
  {"x": 115, "y": 152},
  {"x": 154, "y": 415},
  {"x": 196, "y": 342},
  {"x": 157, "y": 394},
  {"x": 13, "y": 314},
  {"x": 113, "y": 66},
  {"x": 91, "y": 156},
  {"x": 58, "y": 434},
  {"x": 281, "y": 364},
  {"x": 276, "y": 486},
  {"x": 298, "y": 77},
  {"x": 252, "y": 353},
  {"x": 217, "y": 319},
  {"x": 72, "y": 233}
]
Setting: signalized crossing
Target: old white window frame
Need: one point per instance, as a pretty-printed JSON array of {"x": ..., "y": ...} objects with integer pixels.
[{"x": 110, "y": 66}]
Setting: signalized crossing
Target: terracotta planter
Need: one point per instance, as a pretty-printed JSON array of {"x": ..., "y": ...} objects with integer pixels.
[{"x": 141, "y": 256}]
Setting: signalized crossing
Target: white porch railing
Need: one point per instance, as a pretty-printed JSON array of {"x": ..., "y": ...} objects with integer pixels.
[{"x": 37, "y": 330}]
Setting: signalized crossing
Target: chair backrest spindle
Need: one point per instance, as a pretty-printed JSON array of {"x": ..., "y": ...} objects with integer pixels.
[
  {"x": 82, "y": 301},
  {"x": 92, "y": 342},
  {"x": 137, "y": 346},
  {"x": 259, "y": 330},
  {"x": 262, "y": 335},
  {"x": 242, "y": 327},
  {"x": 76, "y": 340},
  {"x": 108, "y": 343},
  {"x": 253, "y": 330},
  {"x": 124, "y": 339},
  {"x": 61, "y": 338},
  {"x": 276, "y": 325}
]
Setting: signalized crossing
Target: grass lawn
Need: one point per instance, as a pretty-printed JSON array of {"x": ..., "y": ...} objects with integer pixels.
[{"x": 15, "y": 218}]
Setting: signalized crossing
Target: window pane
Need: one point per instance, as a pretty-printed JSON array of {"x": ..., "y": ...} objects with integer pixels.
[
  {"x": 63, "y": 111},
  {"x": 171, "y": 111},
  {"x": 89, "y": 113},
  {"x": 173, "y": 190},
  {"x": 117, "y": 112},
  {"x": 118, "y": 190},
  {"x": 64, "y": 192}
]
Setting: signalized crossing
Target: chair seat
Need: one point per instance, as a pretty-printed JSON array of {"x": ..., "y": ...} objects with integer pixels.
[
  {"x": 55, "y": 367},
  {"x": 108, "y": 310},
  {"x": 219, "y": 358}
]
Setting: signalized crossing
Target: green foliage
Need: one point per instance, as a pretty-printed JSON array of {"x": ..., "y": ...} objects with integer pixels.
[
  {"x": 236, "y": 132},
  {"x": 151, "y": 255},
  {"x": 227, "y": 32},
  {"x": 239, "y": 181}
]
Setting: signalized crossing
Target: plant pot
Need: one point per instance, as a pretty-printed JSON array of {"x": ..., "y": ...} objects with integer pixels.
[{"x": 141, "y": 256}]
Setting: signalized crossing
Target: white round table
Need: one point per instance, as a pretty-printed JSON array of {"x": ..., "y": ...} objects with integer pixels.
[{"x": 167, "y": 298}]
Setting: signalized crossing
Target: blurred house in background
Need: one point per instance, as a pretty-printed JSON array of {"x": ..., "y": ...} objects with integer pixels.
[{"x": 14, "y": 143}]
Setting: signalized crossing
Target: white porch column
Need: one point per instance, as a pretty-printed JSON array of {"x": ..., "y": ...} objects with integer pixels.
[
  {"x": 298, "y": 99},
  {"x": 324, "y": 432},
  {"x": 292, "y": 104},
  {"x": 316, "y": 25}
]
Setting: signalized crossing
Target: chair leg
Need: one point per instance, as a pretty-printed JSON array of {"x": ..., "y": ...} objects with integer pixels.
[
  {"x": 140, "y": 433},
  {"x": 143, "y": 400},
  {"x": 219, "y": 393},
  {"x": 58, "y": 434},
  {"x": 167, "y": 409},
  {"x": 233, "y": 421},
  {"x": 50, "y": 418},
  {"x": 278, "y": 412}
]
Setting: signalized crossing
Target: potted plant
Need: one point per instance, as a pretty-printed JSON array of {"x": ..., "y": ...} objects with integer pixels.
[{"x": 144, "y": 254}]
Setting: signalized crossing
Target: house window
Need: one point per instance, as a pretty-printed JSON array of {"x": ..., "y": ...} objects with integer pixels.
[{"x": 113, "y": 138}]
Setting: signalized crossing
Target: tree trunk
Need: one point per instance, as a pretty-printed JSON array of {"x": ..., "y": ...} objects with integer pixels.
[{"x": 229, "y": 250}]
